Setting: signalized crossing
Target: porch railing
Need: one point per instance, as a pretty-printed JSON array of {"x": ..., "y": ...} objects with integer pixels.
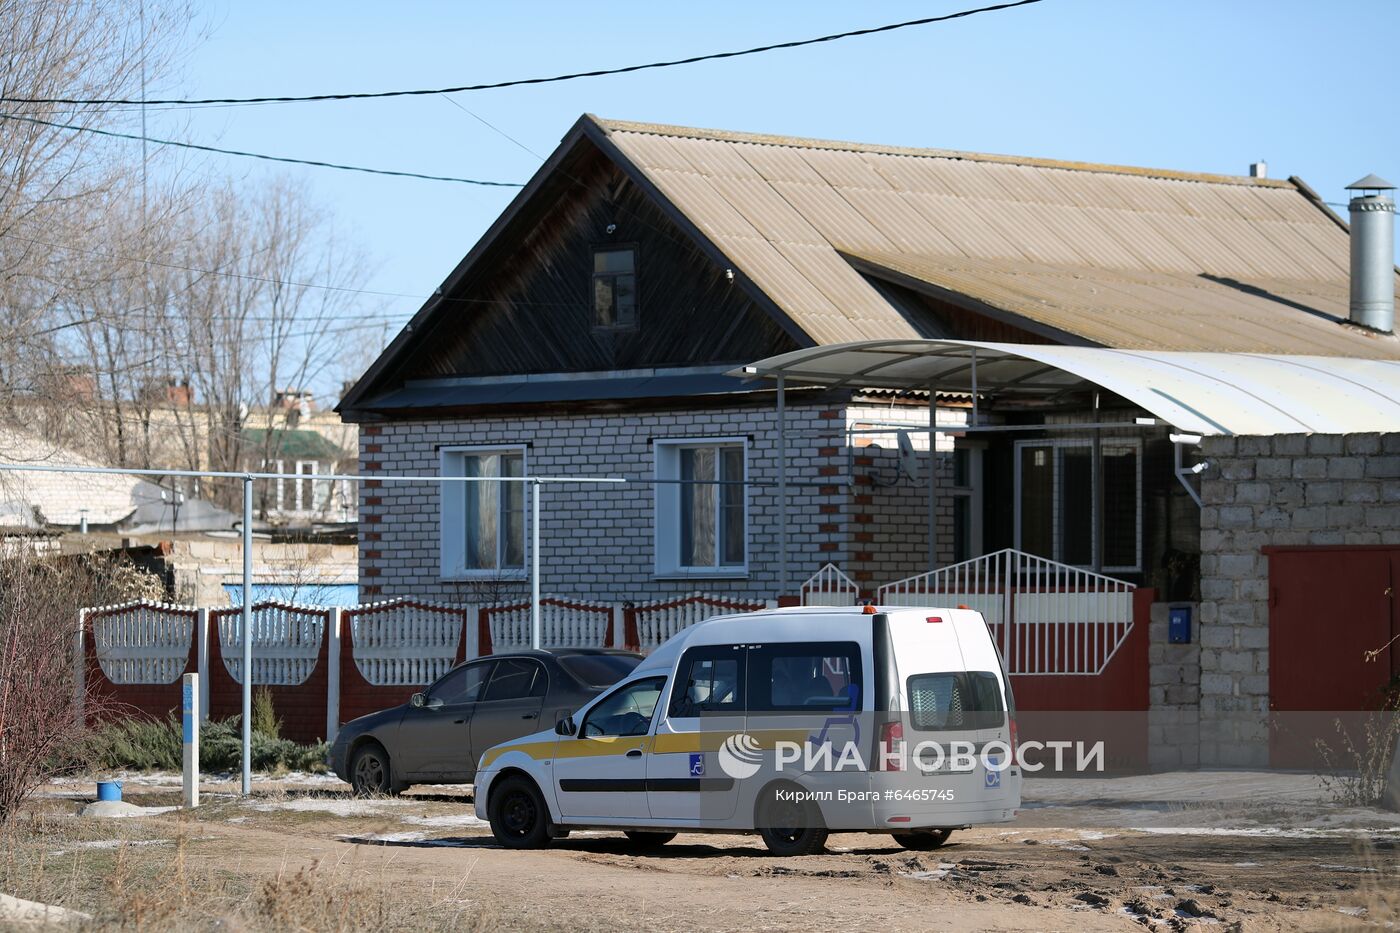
[
  {"x": 830, "y": 587},
  {"x": 1046, "y": 617}
]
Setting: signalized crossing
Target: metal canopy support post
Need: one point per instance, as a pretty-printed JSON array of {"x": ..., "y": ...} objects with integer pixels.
[
  {"x": 932, "y": 478},
  {"x": 535, "y": 488},
  {"x": 247, "y": 666},
  {"x": 1099, "y": 525},
  {"x": 782, "y": 490}
]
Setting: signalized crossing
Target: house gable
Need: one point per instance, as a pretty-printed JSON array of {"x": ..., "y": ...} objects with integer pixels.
[{"x": 522, "y": 302}]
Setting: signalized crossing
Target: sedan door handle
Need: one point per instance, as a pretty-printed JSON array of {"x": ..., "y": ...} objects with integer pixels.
[
  {"x": 529, "y": 716},
  {"x": 458, "y": 722},
  {"x": 635, "y": 753}
]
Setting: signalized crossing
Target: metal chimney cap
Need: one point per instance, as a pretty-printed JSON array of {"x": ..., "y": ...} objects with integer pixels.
[{"x": 1371, "y": 183}]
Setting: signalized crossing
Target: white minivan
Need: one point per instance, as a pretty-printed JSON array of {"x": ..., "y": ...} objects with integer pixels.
[{"x": 792, "y": 722}]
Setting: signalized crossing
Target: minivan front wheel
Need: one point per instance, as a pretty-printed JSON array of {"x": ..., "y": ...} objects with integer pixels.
[
  {"x": 519, "y": 817},
  {"x": 923, "y": 841},
  {"x": 789, "y": 824}
]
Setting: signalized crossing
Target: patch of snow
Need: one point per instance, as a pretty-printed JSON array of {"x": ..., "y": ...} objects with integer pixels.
[
  {"x": 387, "y": 837},
  {"x": 1268, "y": 832},
  {"x": 1094, "y": 835},
  {"x": 925, "y": 875},
  {"x": 19, "y": 911},
  {"x": 1356, "y": 869},
  {"x": 1246, "y": 865},
  {"x": 455, "y": 820}
]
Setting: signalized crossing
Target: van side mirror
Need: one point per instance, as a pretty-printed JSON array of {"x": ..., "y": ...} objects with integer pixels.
[{"x": 565, "y": 726}]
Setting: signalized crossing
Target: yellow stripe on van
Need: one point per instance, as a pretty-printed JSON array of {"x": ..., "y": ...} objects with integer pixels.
[{"x": 665, "y": 744}]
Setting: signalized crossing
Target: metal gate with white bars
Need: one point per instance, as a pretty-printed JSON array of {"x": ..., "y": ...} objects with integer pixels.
[{"x": 1046, "y": 617}]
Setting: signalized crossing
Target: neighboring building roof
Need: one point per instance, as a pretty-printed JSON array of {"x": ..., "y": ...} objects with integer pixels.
[
  {"x": 293, "y": 444},
  {"x": 1200, "y": 393},
  {"x": 32, "y": 499},
  {"x": 1126, "y": 257}
]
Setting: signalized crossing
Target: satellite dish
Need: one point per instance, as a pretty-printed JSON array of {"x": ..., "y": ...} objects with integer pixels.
[{"x": 908, "y": 457}]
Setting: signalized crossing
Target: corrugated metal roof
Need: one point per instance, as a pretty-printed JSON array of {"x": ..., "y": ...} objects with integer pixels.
[
  {"x": 1124, "y": 257},
  {"x": 1200, "y": 393}
]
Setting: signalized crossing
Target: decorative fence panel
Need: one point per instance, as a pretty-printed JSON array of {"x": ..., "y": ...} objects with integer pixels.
[
  {"x": 1046, "y": 617},
  {"x": 286, "y": 641},
  {"x": 403, "y": 642},
  {"x": 143, "y": 643},
  {"x": 830, "y": 587},
  {"x": 650, "y": 624},
  {"x": 507, "y": 626}
]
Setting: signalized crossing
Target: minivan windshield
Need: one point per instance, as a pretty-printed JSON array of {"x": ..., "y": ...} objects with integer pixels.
[
  {"x": 955, "y": 701},
  {"x": 598, "y": 670}
]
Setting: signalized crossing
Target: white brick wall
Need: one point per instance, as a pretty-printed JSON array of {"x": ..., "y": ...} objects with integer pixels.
[{"x": 597, "y": 541}]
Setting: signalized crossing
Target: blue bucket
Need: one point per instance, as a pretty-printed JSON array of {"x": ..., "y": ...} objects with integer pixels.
[{"x": 109, "y": 790}]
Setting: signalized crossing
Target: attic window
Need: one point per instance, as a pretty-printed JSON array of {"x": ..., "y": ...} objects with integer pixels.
[{"x": 615, "y": 287}]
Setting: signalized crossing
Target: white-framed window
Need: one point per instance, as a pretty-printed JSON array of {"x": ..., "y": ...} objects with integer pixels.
[
  {"x": 966, "y": 493},
  {"x": 483, "y": 524},
  {"x": 302, "y": 495},
  {"x": 702, "y": 512},
  {"x": 1057, "y": 511}
]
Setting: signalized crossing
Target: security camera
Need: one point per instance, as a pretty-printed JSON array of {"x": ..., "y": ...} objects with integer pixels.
[
  {"x": 612, "y": 228},
  {"x": 729, "y": 274},
  {"x": 1201, "y": 467}
]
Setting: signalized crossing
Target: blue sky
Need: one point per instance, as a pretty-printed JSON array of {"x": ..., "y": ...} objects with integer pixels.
[{"x": 1187, "y": 84}]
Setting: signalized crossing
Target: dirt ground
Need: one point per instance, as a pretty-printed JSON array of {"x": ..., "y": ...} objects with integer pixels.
[{"x": 1211, "y": 851}]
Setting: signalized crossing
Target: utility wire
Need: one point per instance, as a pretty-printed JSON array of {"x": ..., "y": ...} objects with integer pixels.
[
  {"x": 628, "y": 69},
  {"x": 259, "y": 155}
]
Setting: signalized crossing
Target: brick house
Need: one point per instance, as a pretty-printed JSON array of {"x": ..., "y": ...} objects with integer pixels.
[{"x": 594, "y": 329}]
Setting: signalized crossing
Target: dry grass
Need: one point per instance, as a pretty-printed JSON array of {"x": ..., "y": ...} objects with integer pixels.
[{"x": 163, "y": 875}]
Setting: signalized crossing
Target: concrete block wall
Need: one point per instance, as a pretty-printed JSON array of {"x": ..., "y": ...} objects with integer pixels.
[
  {"x": 597, "y": 541},
  {"x": 1174, "y": 693},
  {"x": 1283, "y": 490}
]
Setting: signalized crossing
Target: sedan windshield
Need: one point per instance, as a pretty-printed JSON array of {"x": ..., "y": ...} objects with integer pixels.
[{"x": 598, "y": 670}]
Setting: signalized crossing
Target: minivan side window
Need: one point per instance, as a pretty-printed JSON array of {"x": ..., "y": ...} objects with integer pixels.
[
  {"x": 955, "y": 701},
  {"x": 709, "y": 680},
  {"x": 805, "y": 676},
  {"x": 627, "y": 711}
]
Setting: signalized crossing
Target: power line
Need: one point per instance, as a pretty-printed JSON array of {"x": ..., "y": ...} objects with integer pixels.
[
  {"x": 289, "y": 283},
  {"x": 259, "y": 155},
  {"x": 628, "y": 69}
]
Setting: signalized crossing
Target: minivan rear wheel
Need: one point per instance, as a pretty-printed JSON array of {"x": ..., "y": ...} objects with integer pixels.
[
  {"x": 790, "y": 826},
  {"x": 923, "y": 841},
  {"x": 519, "y": 817}
]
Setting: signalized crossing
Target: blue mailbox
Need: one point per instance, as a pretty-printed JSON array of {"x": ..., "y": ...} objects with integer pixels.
[{"x": 1179, "y": 625}]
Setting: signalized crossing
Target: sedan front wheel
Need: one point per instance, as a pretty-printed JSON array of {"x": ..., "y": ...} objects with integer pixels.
[{"x": 370, "y": 771}]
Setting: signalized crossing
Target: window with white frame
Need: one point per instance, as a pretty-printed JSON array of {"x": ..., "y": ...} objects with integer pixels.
[
  {"x": 702, "y": 507},
  {"x": 1058, "y": 514},
  {"x": 302, "y": 495},
  {"x": 483, "y": 523}
]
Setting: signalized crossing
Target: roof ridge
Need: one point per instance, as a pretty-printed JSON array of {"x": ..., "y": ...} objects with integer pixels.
[{"x": 766, "y": 139}]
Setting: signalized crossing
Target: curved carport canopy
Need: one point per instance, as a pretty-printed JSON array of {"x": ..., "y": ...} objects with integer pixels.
[{"x": 1198, "y": 393}]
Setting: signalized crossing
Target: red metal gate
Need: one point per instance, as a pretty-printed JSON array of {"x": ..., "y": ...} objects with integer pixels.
[{"x": 1328, "y": 607}]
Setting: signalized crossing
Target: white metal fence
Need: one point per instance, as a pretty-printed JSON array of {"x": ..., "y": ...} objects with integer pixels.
[
  {"x": 286, "y": 641},
  {"x": 1046, "y": 617},
  {"x": 142, "y": 642},
  {"x": 404, "y": 643},
  {"x": 659, "y": 619},
  {"x": 562, "y": 622}
]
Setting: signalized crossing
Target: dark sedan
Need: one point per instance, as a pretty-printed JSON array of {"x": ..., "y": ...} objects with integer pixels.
[{"x": 439, "y": 735}]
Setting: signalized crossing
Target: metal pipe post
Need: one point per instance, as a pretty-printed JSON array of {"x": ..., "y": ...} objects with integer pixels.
[
  {"x": 932, "y": 478},
  {"x": 782, "y": 491},
  {"x": 535, "y": 564},
  {"x": 247, "y": 666}
]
